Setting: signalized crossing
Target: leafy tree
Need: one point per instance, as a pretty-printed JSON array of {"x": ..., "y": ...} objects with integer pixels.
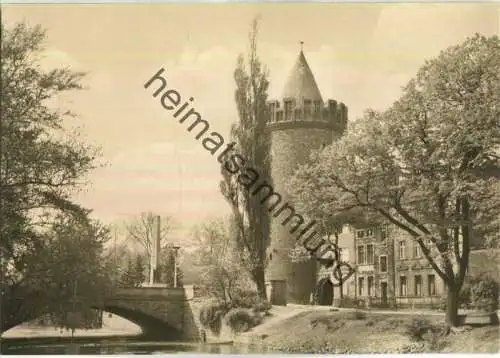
[
  {"x": 127, "y": 278},
  {"x": 218, "y": 262},
  {"x": 168, "y": 262},
  {"x": 133, "y": 275},
  {"x": 65, "y": 275},
  {"x": 315, "y": 200},
  {"x": 251, "y": 218},
  {"x": 139, "y": 270},
  {"x": 429, "y": 164},
  {"x": 143, "y": 231},
  {"x": 40, "y": 166}
]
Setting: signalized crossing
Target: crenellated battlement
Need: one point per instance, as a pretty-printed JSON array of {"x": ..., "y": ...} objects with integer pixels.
[
  {"x": 300, "y": 122},
  {"x": 332, "y": 115}
]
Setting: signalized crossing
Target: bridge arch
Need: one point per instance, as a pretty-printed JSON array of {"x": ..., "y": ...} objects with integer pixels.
[
  {"x": 152, "y": 327},
  {"x": 162, "y": 313}
]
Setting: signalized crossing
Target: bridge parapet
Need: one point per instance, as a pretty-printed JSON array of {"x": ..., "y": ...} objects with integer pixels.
[{"x": 150, "y": 293}]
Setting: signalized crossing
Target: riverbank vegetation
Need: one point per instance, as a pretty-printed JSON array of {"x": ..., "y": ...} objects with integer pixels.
[
  {"x": 360, "y": 332},
  {"x": 229, "y": 291}
]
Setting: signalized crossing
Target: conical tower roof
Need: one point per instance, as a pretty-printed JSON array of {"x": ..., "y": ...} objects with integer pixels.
[{"x": 301, "y": 83}]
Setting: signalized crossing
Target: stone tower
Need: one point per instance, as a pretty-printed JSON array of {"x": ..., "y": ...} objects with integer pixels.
[{"x": 300, "y": 121}]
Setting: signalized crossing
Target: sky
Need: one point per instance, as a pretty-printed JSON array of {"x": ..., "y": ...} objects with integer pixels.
[{"x": 360, "y": 55}]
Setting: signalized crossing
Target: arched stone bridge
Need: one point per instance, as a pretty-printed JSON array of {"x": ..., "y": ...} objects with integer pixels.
[{"x": 162, "y": 313}]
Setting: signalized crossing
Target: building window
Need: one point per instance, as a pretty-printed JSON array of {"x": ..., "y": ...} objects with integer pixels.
[
  {"x": 383, "y": 232},
  {"x": 417, "y": 250},
  {"x": 317, "y": 107},
  {"x": 364, "y": 233},
  {"x": 344, "y": 255},
  {"x": 307, "y": 108},
  {"x": 361, "y": 282},
  {"x": 418, "y": 285},
  {"x": 361, "y": 255},
  {"x": 370, "y": 254},
  {"x": 370, "y": 286},
  {"x": 431, "y": 283},
  {"x": 383, "y": 263},
  {"x": 402, "y": 286},
  {"x": 288, "y": 110},
  {"x": 402, "y": 249}
]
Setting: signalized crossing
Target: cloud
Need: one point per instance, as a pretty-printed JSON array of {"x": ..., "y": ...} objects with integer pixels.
[
  {"x": 54, "y": 58},
  {"x": 162, "y": 178}
]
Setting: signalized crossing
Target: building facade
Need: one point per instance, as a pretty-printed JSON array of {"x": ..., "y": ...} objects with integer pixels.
[{"x": 389, "y": 270}]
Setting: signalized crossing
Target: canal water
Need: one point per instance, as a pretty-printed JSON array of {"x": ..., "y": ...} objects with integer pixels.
[
  {"x": 129, "y": 348},
  {"x": 118, "y": 336}
]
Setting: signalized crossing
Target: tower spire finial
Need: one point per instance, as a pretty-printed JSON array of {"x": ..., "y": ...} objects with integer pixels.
[{"x": 301, "y": 45}]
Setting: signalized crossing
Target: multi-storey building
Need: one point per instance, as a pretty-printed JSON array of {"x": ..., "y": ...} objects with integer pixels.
[
  {"x": 389, "y": 269},
  {"x": 417, "y": 284}
]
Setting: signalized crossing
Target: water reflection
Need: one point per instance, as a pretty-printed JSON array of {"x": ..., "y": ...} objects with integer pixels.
[{"x": 134, "y": 348}]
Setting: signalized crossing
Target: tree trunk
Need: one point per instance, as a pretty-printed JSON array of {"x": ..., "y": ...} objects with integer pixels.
[
  {"x": 259, "y": 279},
  {"x": 452, "y": 303}
]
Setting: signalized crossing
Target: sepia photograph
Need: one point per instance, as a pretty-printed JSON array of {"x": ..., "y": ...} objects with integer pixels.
[{"x": 249, "y": 178}]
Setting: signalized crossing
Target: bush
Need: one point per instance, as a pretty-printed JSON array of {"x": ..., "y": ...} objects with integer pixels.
[
  {"x": 464, "y": 298},
  {"x": 251, "y": 300},
  {"x": 484, "y": 292},
  {"x": 349, "y": 302},
  {"x": 358, "y": 315},
  {"x": 239, "y": 320},
  {"x": 211, "y": 316},
  {"x": 417, "y": 328}
]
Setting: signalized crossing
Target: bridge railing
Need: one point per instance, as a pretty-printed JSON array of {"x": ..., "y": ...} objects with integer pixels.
[{"x": 164, "y": 292}]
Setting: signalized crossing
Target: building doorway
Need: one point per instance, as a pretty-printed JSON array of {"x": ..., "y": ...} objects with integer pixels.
[
  {"x": 383, "y": 293},
  {"x": 325, "y": 287}
]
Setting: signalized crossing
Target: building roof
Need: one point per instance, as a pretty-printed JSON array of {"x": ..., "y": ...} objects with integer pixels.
[{"x": 301, "y": 83}]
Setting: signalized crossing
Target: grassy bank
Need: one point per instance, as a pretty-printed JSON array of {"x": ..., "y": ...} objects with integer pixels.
[{"x": 364, "y": 332}]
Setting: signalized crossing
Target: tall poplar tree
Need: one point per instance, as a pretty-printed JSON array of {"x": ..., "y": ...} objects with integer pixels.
[{"x": 251, "y": 219}]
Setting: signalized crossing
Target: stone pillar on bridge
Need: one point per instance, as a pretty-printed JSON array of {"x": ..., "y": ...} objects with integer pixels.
[{"x": 154, "y": 275}]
